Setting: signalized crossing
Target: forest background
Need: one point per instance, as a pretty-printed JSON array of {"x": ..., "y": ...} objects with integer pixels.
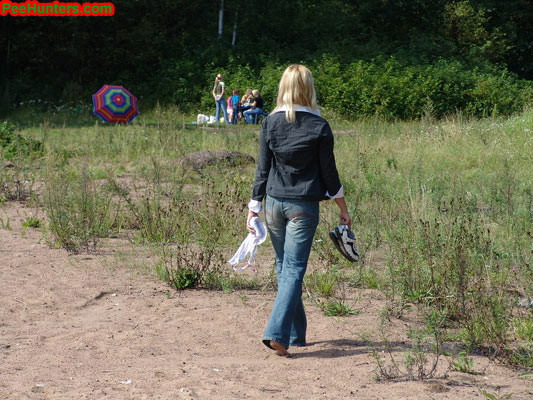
[{"x": 394, "y": 58}]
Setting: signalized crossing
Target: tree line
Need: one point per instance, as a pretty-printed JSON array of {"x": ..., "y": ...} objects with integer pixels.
[{"x": 167, "y": 51}]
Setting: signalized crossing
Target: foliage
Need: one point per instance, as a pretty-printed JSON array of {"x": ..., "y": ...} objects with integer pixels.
[
  {"x": 190, "y": 228},
  {"x": 463, "y": 363},
  {"x": 322, "y": 283},
  {"x": 78, "y": 210},
  {"x": 15, "y": 145},
  {"x": 338, "y": 308},
  {"x": 421, "y": 359},
  {"x": 492, "y": 396},
  {"x": 16, "y": 181},
  {"x": 395, "y": 90},
  {"x": 171, "y": 57},
  {"x": 442, "y": 210},
  {"x": 381, "y": 86},
  {"x": 179, "y": 276},
  {"x": 32, "y": 222},
  {"x": 5, "y": 224}
]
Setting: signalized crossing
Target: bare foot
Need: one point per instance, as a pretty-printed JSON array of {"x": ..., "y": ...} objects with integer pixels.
[{"x": 280, "y": 349}]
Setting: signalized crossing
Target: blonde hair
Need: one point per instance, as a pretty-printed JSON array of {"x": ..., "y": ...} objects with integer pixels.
[
  {"x": 296, "y": 87},
  {"x": 255, "y": 92}
]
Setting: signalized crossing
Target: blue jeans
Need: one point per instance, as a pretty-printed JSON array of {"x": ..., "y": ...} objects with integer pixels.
[
  {"x": 221, "y": 104},
  {"x": 235, "y": 113},
  {"x": 251, "y": 115},
  {"x": 291, "y": 225}
]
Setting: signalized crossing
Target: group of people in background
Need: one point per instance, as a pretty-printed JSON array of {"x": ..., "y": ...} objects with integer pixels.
[{"x": 250, "y": 106}]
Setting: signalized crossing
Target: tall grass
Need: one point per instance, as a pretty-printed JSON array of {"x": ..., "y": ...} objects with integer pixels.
[
  {"x": 449, "y": 205},
  {"x": 80, "y": 213}
]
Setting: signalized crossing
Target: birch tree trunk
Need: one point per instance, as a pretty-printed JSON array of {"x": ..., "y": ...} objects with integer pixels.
[
  {"x": 235, "y": 28},
  {"x": 220, "y": 19}
]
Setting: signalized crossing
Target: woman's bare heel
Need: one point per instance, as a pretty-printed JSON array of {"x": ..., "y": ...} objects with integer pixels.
[{"x": 280, "y": 349}]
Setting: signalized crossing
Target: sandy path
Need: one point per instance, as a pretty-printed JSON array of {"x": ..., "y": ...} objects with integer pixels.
[{"x": 71, "y": 327}]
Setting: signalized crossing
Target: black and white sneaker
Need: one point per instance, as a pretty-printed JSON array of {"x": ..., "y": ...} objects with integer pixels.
[{"x": 344, "y": 241}]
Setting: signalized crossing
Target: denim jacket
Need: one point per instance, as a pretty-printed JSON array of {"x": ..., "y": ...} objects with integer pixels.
[{"x": 296, "y": 160}]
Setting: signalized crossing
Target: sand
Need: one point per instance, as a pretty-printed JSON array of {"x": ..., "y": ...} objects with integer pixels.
[{"x": 92, "y": 326}]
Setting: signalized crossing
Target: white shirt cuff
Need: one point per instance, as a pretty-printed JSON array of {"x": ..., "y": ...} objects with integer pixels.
[
  {"x": 255, "y": 206},
  {"x": 339, "y": 194}
]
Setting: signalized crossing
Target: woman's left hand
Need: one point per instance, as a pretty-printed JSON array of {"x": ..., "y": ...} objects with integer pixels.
[
  {"x": 251, "y": 214},
  {"x": 345, "y": 219}
]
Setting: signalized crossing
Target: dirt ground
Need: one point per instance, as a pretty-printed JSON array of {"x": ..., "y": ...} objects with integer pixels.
[{"x": 93, "y": 327}]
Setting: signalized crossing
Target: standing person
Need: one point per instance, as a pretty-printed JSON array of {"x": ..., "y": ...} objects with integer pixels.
[
  {"x": 218, "y": 94},
  {"x": 257, "y": 108},
  {"x": 229, "y": 109},
  {"x": 296, "y": 170},
  {"x": 235, "y": 104}
]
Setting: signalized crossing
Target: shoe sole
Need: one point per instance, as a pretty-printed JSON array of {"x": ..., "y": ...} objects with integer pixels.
[
  {"x": 352, "y": 258},
  {"x": 336, "y": 238}
]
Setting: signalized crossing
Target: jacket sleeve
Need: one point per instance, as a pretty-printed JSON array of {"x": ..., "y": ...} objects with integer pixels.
[
  {"x": 263, "y": 166},
  {"x": 328, "y": 168}
]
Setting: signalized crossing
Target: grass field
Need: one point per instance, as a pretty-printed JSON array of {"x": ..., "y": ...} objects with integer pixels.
[{"x": 444, "y": 208}]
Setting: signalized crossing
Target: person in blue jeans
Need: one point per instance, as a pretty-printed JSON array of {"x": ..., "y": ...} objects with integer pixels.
[
  {"x": 295, "y": 170},
  {"x": 218, "y": 94},
  {"x": 235, "y": 104},
  {"x": 256, "y": 109}
]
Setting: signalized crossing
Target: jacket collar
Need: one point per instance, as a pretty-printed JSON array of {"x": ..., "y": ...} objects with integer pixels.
[{"x": 298, "y": 107}]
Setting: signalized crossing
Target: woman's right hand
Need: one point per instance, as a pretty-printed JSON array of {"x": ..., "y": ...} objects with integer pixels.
[{"x": 251, "y": 214}]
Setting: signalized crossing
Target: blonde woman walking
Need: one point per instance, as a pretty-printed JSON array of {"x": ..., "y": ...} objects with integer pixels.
[{"x": 295, "y": 171}]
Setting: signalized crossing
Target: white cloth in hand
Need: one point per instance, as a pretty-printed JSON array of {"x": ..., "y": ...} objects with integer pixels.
[{"x": 249, "y": 245}]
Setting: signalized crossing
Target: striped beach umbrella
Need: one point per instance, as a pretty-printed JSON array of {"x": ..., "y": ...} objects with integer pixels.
[{"x": 114, "y": 104}]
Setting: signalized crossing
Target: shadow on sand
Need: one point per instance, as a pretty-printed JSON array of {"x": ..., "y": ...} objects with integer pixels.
[{"x": 346, "y": 348}]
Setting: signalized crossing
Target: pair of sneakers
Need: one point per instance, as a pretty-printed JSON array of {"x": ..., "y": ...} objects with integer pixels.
[{"x": 344, "y": 240}]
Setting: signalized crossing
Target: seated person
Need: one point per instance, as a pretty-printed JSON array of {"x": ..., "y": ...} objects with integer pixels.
[
  {"x": 257, "y": 108},
  {"x": 247, "y": 100}
]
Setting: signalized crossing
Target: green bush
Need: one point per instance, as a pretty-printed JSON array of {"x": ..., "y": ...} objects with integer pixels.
[
  {"x": 394, "y": 90},
  {"x": 384, "y": 86},
  {"x": 180, "y": 278},
  {"x": 14, "y": 145},
  {"x": 32, "y": 222},
  {"x": 338, "y": 308}
]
